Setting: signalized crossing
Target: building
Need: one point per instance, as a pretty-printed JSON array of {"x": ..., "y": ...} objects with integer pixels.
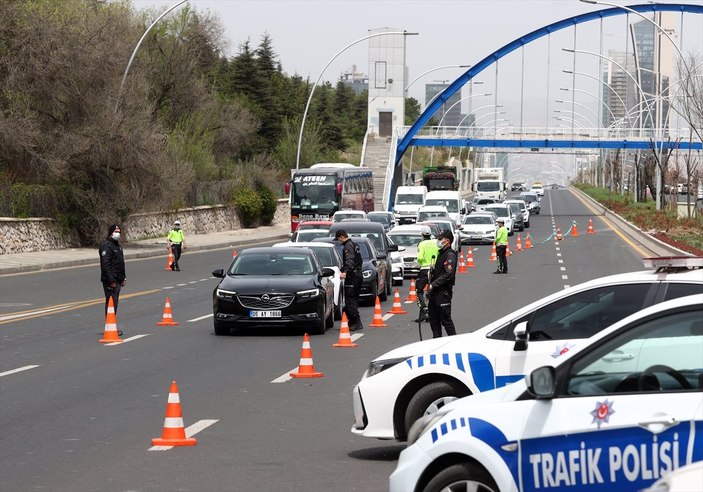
[
  {"x": 386, "y": 83},
  {"x": 448, "y": 117},
  {"x": 358, "y": 81}
]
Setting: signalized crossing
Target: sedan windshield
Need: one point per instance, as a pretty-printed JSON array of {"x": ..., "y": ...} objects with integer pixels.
[
  {"x": 406, "y": 239},
  {"x": 272, "y": 264},
  {"x": 310, "y": 234},
  {"x": 500, "y": 211},
  {"x": 478, "y": 219}
]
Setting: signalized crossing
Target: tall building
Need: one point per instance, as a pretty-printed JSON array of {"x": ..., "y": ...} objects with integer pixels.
[
  {"x": 387, "y": 75},
  {"x": 449, "y": 117},
  {"x": 358, "y": 81}
]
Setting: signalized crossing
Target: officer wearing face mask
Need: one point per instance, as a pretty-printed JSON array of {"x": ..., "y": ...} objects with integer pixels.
[
  {"x": 441, "y": 286},
  {"x": 112, "y": 270}
]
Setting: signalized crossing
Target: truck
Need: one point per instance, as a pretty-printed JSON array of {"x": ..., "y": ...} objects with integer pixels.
[
  {"x": 440, "y": 178},
  {"x": 489, "y": 182}
]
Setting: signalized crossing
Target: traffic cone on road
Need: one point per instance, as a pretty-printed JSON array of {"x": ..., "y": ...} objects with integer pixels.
[
  {"x": 234, "y": 253},
  {"x": 306, "y": 369},
  {"x": 167, "y": 319},
  {"x": 377, "y": 315},
  {"x": 528, "y": 242},
  {"x": 494, "y": 255},
  {"x": 559, "y": 236},
  {"x": 412, "y": 296},
  {"x": 574, "y": 230},
  {"x": 507, "y": 249},
  {"x": 345, "y": 340},
  {"x": 462, "y": 265},
  {"x": 169, "y": 264},
  {"x": 518, "y": 246},
  {"x": 470, "y": 260},
  {"x": 590, "y": 230},
  {"x": 397, "y": 306},
  {"x": 174, "y": 434},
  {"x": 110, "y": 335}
]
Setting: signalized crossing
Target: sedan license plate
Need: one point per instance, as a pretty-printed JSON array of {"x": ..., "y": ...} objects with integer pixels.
[{"x": 264, "y": 314}]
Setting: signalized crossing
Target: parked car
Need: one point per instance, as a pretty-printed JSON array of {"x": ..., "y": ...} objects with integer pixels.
[
  {"x": 329, "y": 257},
  {"x": 431, "y": 212},
  {"x": 408, "y": 236},
  {"x": 478, "y": 227},
  {"x": 615, "y": 413},
  {"x": 274, "y": 286},
  {"x": 373, "y": 271},
  {"x": 407, "y": 382},
  {"x": 387, "y": 219},
  {"x": 375, "y": 232},
  {"x": 341, "y": 215}
]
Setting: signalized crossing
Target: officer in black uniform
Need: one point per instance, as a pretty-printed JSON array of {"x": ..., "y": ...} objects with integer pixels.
[
  {"x": 351, "y": 273},
  {"x": 441, "y": 286},
  {"x": 112, "y": 269}
]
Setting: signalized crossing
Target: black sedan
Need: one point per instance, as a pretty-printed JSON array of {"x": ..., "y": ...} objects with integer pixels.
[
  {"x": 274, "y": 286},
  {"x": 373, "y": 271}
]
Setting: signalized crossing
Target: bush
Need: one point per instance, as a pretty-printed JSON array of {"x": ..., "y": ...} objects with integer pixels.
[
  {"x": 248, "y": 204},
  {"x": 269, "y": 203}
]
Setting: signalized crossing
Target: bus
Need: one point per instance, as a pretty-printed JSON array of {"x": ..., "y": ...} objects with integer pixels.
[{"x": 317, "y": 192}]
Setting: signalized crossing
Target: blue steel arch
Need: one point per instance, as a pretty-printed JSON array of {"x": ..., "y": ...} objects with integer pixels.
[{"x": 512, "y": 46}]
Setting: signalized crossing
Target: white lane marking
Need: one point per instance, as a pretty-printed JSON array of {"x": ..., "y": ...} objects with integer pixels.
[
  {"x": 194, "y": 281},
  {"x": 387, "y": 316},
  {"x": 560, "y": 261},
  {"x": 190, "y": 432},
  {"x": 566, "y": 286},
  {"x": 19, "y": 369},
  {"x": 181, "y": 285},
  {"x": 563, "y": 269},
  {"x": 565, "y": 277},
  {"x": 200, "y": 318},
  {"x": 204, "y": 279},
  {"x": 559, "y": 254},
  {"x": 285, "y": 376},
  {"x": 165, "y": 288},
  {"x": 38, "y": 311},
  {"x": 130, "y": 339},
  {"x": 558, "y": 248},
  {"x": 356, "y": 336}
]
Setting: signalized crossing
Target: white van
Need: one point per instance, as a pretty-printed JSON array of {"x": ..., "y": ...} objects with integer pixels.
[
  {"x": 452, "y": 200},
  {"x": 408, "y": 200}
]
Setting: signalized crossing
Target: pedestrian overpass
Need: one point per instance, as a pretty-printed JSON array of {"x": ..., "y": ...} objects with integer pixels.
[{"x": 650, "y": 135}]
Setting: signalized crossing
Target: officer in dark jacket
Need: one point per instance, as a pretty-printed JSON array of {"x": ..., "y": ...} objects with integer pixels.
[
  {"x": 112, "y": 270},
  {"x": 351, "y": 273},
  {"x": 441, "y": 286}
]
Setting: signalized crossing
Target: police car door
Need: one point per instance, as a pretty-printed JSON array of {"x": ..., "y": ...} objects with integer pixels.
[
  {"x": 627, "y": 410},
  {"x": 561, "y": 324}
]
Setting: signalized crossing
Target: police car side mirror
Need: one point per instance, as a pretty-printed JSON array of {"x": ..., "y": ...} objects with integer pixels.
[
  {"x": 219, "y": 273},
  {"x": 541, "y": 382},
  {"x": 520, "y": 333}
]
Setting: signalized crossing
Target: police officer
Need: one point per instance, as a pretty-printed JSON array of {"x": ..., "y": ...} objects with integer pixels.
[
  {"x": 440, "y": 289},
  {"x": 427, "y": 252},
  {"x": 112, "y": 270},
  {"x": 351, "y": 273},
  {"x": 502, "y": 247},
  {"x": 176, "y": 241}
]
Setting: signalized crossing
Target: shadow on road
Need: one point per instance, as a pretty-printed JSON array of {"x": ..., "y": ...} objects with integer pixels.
[{"x": 385, "y": 453}]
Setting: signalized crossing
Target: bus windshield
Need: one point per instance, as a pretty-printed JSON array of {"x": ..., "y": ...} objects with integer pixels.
[{"x": 311, "y": 192}]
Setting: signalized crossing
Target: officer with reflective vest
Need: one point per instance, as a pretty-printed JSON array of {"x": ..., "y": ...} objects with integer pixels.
[
  {"x": 176, "y": 243},
  {"x": 427, "y": 252},
  {"x": 441, "y": 286}
]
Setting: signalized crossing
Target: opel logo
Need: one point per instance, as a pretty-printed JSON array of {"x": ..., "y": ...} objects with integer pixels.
[{"x": 265, "y": 298}]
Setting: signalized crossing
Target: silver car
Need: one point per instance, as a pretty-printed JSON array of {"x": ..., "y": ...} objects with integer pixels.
[
  {"x": 479, "y": 227},
  {"x": 408, "y": 237}
]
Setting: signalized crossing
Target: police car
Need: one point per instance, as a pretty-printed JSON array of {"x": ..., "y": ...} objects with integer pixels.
[
  {"x": 615, "y": 414},
  {"x": 408, "y": 382}
]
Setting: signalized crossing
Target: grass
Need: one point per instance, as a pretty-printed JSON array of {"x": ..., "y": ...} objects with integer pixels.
[{"x": 684, "y": 233}]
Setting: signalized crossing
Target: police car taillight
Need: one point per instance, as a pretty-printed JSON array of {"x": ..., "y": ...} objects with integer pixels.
[{"x": 673, "y": 262}]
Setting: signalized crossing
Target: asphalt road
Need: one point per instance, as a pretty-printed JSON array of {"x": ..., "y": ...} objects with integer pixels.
[{"x": 83, "y": 418}]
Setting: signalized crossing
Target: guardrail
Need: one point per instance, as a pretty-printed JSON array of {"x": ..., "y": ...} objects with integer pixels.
[{"x": 390, "y": 172}]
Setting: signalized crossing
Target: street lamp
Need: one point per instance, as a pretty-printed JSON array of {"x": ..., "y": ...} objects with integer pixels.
[
  {"x": 458, "y": 102},
  {"x": 433, "y": 70},
  {"x": 312, "y": 91},
  {"x": 561, "y": 101},
  {"x": 600, "y": 101}
]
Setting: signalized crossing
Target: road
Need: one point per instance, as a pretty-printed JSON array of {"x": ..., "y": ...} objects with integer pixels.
[{"x": 83, "y": 418}]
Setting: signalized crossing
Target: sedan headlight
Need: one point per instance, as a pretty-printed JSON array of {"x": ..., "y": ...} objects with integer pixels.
[
  {"x": 396, "y": 259},
  {"x": 381, "y": 365},
  {"x": 422, "y": 425},
  {"x": 367, "y": 273},
  {"x": 225, "y": 294},
  {"x": 308, "y": 294}
]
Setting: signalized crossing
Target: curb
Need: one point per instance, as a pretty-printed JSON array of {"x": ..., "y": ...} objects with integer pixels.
[{"x": 153, "y": 252}]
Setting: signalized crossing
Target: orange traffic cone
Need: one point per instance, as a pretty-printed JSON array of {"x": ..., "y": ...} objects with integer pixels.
[
  {"x": 528, "y": 242},
  {"x": 494, "y": 256},
  {"x": 412, "y": 296},
  {"x": 167, "y": 319},
  {"x": 574, "y": 230},
  {"x": 377, "y": 316},
  {"x": 507, "y": 250},
  {"x": 559, "y": 236},
  {"x": 590, "y": 230},
  {"x": 345, "y": 340},
  {"x": 397, "y": 306},
  {"x": 234, "y": 253},
  {"x": 110, "y": 334},
  {"x": 462, "y": 265},
  {"x": 174, "y": 434},
  {"x": 170, "y": 260},
  {"x": 518, "y": 246},
  {"x": 306, "y": 369},
  {"x": 470, "y": 260}
]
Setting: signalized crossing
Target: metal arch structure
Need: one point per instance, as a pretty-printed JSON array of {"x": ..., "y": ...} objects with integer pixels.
[{"x": 410, "y": 139}]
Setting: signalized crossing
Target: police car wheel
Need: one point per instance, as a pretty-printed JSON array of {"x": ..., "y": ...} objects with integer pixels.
[
  {"x": 431, "y": 398},
  {"x": 462, "y": 477}
]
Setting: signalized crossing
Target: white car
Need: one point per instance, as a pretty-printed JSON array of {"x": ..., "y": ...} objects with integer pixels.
[
  {"x": 397, "y": 264},
  {"x": 615, "y": 414},
  {"x": 341, "y": 215},
  {"x": 448, "y": 223},
  {"x": 538, "y": 189},
  {"x": 503, "y": 212},
  {"x": 428, "y": 212},
  {"x": 478, "y": 227},
  {"x": 408, "y": 237},
  {"x": 410, "y": 381},
  {"x": 523, "y": 208},
  {"x": 684, "y": 479},
  {"x": 328, "y": 257}
]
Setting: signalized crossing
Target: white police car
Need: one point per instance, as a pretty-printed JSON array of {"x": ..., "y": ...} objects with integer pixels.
[
  {"x": 408, "y": 382},
  {"x": 615, "y": 414}
]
